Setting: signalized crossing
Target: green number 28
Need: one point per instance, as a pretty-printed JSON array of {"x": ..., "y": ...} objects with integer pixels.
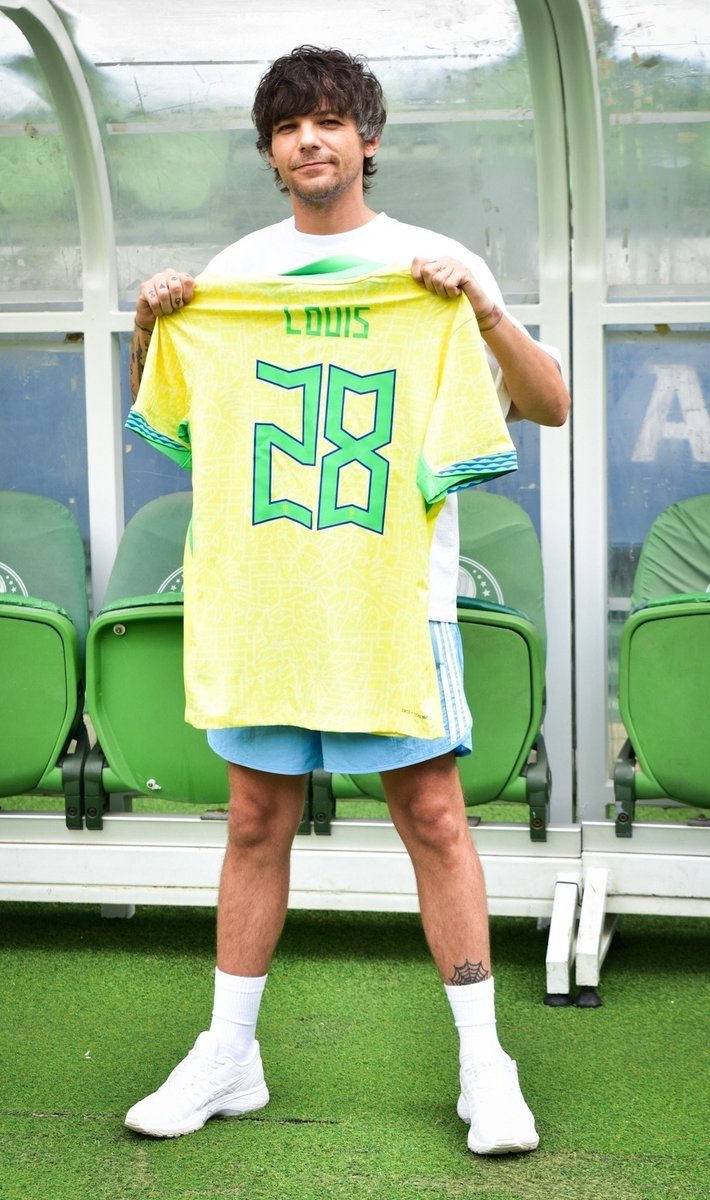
[{"x": 347, "y": 448}]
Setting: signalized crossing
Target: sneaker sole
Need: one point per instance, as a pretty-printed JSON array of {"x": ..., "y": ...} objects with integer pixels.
[
  {"x": 510, "y": 1147},
  {"x": 502, "y": 1147},
  {"x": 245, "y": 1103}
]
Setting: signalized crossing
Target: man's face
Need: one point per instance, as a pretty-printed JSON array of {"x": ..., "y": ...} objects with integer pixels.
[{"x": 319, "y": 156}]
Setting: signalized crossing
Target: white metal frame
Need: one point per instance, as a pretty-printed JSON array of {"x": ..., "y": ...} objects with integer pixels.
[
  {"x": 592, "y": 314},
  {"x": 100, "y": 321},
  {"x": 552, "y": 317},
  {"x": 361, "y": 865},
  {"x": 662, "y": 868},
  {"x": 146, "y": 859}
]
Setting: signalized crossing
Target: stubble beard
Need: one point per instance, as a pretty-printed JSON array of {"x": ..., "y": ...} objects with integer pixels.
[{"x": 320, "y": 195}]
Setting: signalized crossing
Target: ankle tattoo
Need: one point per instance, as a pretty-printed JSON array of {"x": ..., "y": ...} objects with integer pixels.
[{"x": 469, "y": 973}]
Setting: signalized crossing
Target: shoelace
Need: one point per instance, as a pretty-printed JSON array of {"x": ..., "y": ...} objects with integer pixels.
[
  {"x": 498, "y": 1077},
  {"x": 195, "y": 1070}
]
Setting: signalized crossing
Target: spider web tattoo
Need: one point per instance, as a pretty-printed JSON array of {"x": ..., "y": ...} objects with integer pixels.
[{"x": 469, "y": 973}]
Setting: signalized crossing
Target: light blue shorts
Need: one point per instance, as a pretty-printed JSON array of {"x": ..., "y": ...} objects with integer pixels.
[{"x": 290, "y": 750}]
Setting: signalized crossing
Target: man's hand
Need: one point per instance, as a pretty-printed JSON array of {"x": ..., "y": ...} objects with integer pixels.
[
  {"x": 535, "y": 386},
  {"x": 448, "y": 277},
  {"x": 164, "y": 293}
]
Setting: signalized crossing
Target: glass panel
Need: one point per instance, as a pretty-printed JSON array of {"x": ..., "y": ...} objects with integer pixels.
[
  {"x": 523, "y": 485},
  {"x": 43, "y": 446},
  {"x": 458, "y": 156},
  {"x": 655, "y": 88},
  {"x": 146, "y": 473},
  {"x": 174, "y": 99},
  {"x": 658, "y": 429},
  {"x": 40, "y": 258}
]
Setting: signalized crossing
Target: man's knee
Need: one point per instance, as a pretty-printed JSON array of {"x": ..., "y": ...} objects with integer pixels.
[
  {"x": 437, "y": 820},
  {"x": 263, "y": 810},
  {"x": 429, "y": 807}
]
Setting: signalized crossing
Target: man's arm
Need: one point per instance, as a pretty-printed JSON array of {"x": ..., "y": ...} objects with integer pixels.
[
  {"x": 532, "y": 377},
  {"x": 158, "y": 296}
]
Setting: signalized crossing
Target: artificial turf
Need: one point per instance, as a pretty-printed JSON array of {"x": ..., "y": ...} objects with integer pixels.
[{"x": 360, "y": 1056}]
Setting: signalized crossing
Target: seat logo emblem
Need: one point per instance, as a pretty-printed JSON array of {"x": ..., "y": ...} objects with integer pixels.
[
  {"x": 475, "y": 582},
  {"x": 10, "y": 581},
  {"x": 173, "y": 582}
]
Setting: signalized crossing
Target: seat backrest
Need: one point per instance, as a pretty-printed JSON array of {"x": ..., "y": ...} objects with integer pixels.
[
  {"x": 500, "y": 569},
  {"x": 42, "y": 554},
  {"x": 150, "y": 554},
  {"x": 43, "y": 624},
  {"x": 499, "y": 557},
  {"x": 675, "y": 557},
  {"x": 664, "y": 697},
  {"x": 664, "y": 659},
  {"x": 135, "y": 690}
]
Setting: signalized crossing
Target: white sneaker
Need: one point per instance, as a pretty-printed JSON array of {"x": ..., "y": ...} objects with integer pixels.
[
  {"x": 201, "y": 1086},
  {"x": 492, "y": 1103}
]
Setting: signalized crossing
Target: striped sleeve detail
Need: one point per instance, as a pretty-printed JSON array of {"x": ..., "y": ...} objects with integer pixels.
[
  {"x": 178, "y": 451},
  {"x": 435, "y": 485}
]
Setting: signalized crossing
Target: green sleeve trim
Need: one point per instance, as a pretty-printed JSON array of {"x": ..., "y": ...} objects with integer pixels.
[
  {"x": 178, "y": 451},
  {"x": 435, "y": 485}
]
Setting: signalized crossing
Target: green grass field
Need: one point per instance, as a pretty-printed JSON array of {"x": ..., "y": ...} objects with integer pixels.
[{"x": 361, "y": 1059}]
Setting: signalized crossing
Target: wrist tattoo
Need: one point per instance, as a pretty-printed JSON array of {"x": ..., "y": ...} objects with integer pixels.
[
  {"x": 489, "y": 320},
  {"x": 469, "y": 973}
]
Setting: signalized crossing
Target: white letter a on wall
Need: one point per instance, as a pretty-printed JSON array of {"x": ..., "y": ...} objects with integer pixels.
[{"x": 682, "y": 384}]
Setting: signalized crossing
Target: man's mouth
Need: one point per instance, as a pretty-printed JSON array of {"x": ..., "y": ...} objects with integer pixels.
[{"x": 313, "y": 162}]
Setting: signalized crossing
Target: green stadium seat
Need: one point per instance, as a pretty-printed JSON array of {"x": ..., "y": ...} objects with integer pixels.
[
  {"x": 502, "y": 621},
  {"x": 43, "y": 625},
  {"x": 664, "y": 667},
  {"x": 135, "y": 691}
]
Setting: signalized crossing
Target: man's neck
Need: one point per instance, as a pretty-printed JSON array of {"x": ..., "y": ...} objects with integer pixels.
[{"x": 326, "y": 219}]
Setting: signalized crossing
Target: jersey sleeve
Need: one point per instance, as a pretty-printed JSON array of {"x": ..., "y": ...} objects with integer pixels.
[
  {"x": 467, "y": 440},
  {"x": 160, "y": 414}
]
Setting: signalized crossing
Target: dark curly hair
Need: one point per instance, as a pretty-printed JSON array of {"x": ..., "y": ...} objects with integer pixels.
[{"x": 310, "y": 78}]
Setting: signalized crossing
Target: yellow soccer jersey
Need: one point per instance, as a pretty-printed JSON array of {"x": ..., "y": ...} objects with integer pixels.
[{"x": 324, "y": 421}]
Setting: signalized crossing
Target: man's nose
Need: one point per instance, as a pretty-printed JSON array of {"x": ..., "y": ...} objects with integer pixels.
[{"x": 309, "y": 133}]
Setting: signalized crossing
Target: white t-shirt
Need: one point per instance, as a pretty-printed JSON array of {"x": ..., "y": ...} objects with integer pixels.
[{"x": 384, "y": 241}]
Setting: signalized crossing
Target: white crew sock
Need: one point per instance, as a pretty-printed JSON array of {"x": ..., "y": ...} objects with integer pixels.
[
  {"x": 234, "y": 1014},
  {"x": 473, "y": 1006}
]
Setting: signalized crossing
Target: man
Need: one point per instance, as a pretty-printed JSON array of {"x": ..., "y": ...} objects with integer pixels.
[{"x": 319, "y": 116}]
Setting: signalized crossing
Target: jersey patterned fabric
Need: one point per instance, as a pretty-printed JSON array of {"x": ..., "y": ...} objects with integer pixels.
[
  {"x": 280, "y": 249},
  {"x": 325, "y": 420}
]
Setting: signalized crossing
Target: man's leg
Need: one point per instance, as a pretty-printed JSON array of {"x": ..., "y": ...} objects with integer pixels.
[
  {"x": 427, "y": 808},
  {"x": 264, "y": 813},
  {"x": 428, "y": 811},
  {"x": 222, "y": 1075}
]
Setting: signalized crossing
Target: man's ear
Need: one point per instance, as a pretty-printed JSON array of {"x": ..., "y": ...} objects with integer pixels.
[{"x": 370, "y": 149}]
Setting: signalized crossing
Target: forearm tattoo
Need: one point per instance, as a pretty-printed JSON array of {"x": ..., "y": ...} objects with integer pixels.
[
  {"x": 469, "y": 973},
  {"x": 139, "y": 353}
]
